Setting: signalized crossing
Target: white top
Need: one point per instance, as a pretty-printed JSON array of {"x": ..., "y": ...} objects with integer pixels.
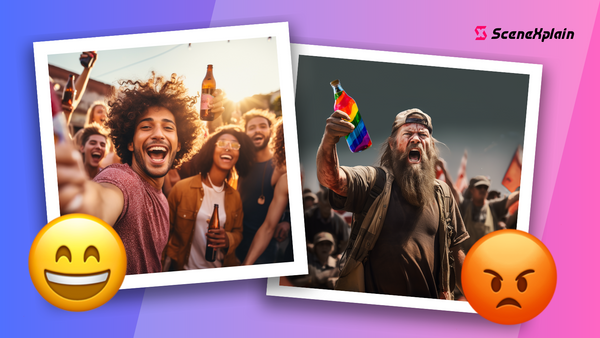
[{"x": 198, "y": 250}]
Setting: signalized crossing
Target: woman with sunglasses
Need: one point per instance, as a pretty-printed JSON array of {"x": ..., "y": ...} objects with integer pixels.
[
  {"x": 279, "y": 204},
  {"x": 192, "y": 200}
]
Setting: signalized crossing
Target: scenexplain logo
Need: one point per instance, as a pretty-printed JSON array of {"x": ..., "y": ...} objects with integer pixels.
[
  {"x": 536, "y": 33},
  {"x": 480, "y": 31}
]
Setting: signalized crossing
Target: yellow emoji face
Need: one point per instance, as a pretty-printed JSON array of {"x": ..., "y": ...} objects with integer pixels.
[
  {"x": 77, "y": 262},
  {"x": 509, "y": 277}
]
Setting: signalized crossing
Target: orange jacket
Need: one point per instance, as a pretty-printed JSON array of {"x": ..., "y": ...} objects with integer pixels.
[{"x": 185, "y": 200}]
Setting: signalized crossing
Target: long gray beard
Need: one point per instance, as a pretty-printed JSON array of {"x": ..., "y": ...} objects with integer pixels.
[{"x": 416, "y": 182}]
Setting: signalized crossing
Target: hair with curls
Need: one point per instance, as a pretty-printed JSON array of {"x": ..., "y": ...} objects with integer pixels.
[
  {"x": 133, "y": 99},
  {"x": 278, "y": 145},
  {"x": 92, "y": 129},
  {"x": 206, "y": 153},
  {"x": 89, "y": 116},
  {"x": 249, "y": 115}
]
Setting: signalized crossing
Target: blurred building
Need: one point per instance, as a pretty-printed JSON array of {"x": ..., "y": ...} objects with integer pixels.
[{"x": 95, "y": 91}]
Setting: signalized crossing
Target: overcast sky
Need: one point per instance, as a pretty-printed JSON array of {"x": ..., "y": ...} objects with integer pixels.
[{"x": 241, "y": 67}]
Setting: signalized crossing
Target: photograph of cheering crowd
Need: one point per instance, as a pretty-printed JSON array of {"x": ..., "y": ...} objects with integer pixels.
[
  {"x": 404, "y": 168},
  {"x": 179, "y": 148}
]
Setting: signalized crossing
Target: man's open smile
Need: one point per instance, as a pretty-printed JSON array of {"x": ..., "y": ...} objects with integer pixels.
[{"x": 157, "y": 153}]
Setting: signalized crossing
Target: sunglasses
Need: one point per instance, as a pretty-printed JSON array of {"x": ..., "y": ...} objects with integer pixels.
[{"x": 223, "y": 144}]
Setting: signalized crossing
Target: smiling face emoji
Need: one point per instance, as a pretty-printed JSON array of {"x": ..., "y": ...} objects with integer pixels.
[
  {"x": 509, "y": 277},
  {"x": 77, "y": 262}
]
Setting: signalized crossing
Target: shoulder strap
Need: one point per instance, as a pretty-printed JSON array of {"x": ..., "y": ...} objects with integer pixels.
[
  {"x": 445, "y": 234},
  {"x": 445, "y": 200},
  {"x": 375, "y": 191}
]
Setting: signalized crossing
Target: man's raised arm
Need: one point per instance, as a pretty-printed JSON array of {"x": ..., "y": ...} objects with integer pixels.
[
  {"x": 329, "y": 172},
  {"x": 77, "y": 193}
]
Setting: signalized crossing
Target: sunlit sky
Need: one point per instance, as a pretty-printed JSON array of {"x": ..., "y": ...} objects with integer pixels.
[{"x": 241, "y": 67}]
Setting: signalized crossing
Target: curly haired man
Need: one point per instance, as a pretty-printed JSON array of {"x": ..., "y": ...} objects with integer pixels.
[{"x": 154, "y": 127}]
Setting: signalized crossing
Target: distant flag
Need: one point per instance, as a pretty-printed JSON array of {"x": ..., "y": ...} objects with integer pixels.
[
  {"x": 512, "y": 178},
  {"x": 439, "y": 173},
  {"x": 461, "y": 181},
  {"x": 513, "y": 208}
]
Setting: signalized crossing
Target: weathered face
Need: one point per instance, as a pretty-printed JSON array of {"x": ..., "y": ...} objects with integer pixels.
[
  {"x": 99, "y": 114},
  {"x": 225, "y": 156},
  {"x": 259, "y": 131},
  {"x": 155, "y": 143},
  {"x": 415, "y": 139},
  {"x": 94, "y": 150}
]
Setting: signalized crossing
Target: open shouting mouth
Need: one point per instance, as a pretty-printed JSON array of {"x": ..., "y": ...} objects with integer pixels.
[
  {"x": 157, "y": 154},
  {"x": 77, "y": 286},
  {"x": 414, "y": 156}
]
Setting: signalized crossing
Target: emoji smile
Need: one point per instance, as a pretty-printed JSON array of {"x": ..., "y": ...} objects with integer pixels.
[
  {"x": 508, "y": 301},
  {"x": 77, "y": 286}
]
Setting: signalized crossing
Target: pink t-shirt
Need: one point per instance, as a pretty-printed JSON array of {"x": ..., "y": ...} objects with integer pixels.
[{"x": 144, "y": 223}]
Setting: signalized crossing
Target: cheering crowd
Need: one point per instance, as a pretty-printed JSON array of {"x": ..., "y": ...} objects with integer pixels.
[{"x": 148, "y": 134}]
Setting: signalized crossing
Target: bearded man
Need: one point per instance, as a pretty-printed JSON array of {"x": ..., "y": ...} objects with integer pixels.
[
  {"x": 406, "y": 227},
  {"x": 154, "y": 127}
]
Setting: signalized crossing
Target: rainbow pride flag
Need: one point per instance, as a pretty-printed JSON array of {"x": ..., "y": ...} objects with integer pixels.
[{"x": 359, "y": 139}]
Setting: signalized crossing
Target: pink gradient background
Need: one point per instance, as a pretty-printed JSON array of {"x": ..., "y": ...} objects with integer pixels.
[{"x": 441, "y": 28}]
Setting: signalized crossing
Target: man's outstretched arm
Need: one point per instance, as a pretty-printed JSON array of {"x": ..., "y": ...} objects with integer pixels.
[
  {"x": 329, "y": 172},
  {"x": 77, "y": 193}
]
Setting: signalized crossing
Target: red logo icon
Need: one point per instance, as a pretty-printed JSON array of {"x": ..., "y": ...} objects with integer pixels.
[{"x": 480, "y": 31}]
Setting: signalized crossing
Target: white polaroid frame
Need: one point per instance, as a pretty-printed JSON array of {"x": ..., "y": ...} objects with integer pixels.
[
  {"x": 531, "y": 121},
  {"x": 281, "y": 33}
]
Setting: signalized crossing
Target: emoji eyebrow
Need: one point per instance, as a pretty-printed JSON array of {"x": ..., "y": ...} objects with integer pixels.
[
  {"x": 493, "y": 273},
  {"x": 524, "y": 273},
  {"x": 91, "y": 251},
  {"x": 63, "y": 251}
]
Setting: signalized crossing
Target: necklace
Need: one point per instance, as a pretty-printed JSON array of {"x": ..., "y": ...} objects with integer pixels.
[
  {"x": 213, "y": 185},
  {"x": 261, "y": 199}
]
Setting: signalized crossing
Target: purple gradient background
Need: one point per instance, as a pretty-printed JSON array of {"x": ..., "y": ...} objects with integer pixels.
[{"x": 568, "y": 120}]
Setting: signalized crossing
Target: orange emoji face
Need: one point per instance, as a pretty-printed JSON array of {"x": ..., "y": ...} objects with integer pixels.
[
  {"x": 77, "y": 262},
  {"x": 509, "y": 277}
]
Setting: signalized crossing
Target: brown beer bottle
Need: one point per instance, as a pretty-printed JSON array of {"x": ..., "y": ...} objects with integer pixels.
[
  {"x": 69, "y": 92},
  {"x": 211, "y": 253},
  {"x": 208, "y": 87}
]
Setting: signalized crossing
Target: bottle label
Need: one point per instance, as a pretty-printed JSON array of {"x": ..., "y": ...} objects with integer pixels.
[{"x": 205, "y": 100}]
